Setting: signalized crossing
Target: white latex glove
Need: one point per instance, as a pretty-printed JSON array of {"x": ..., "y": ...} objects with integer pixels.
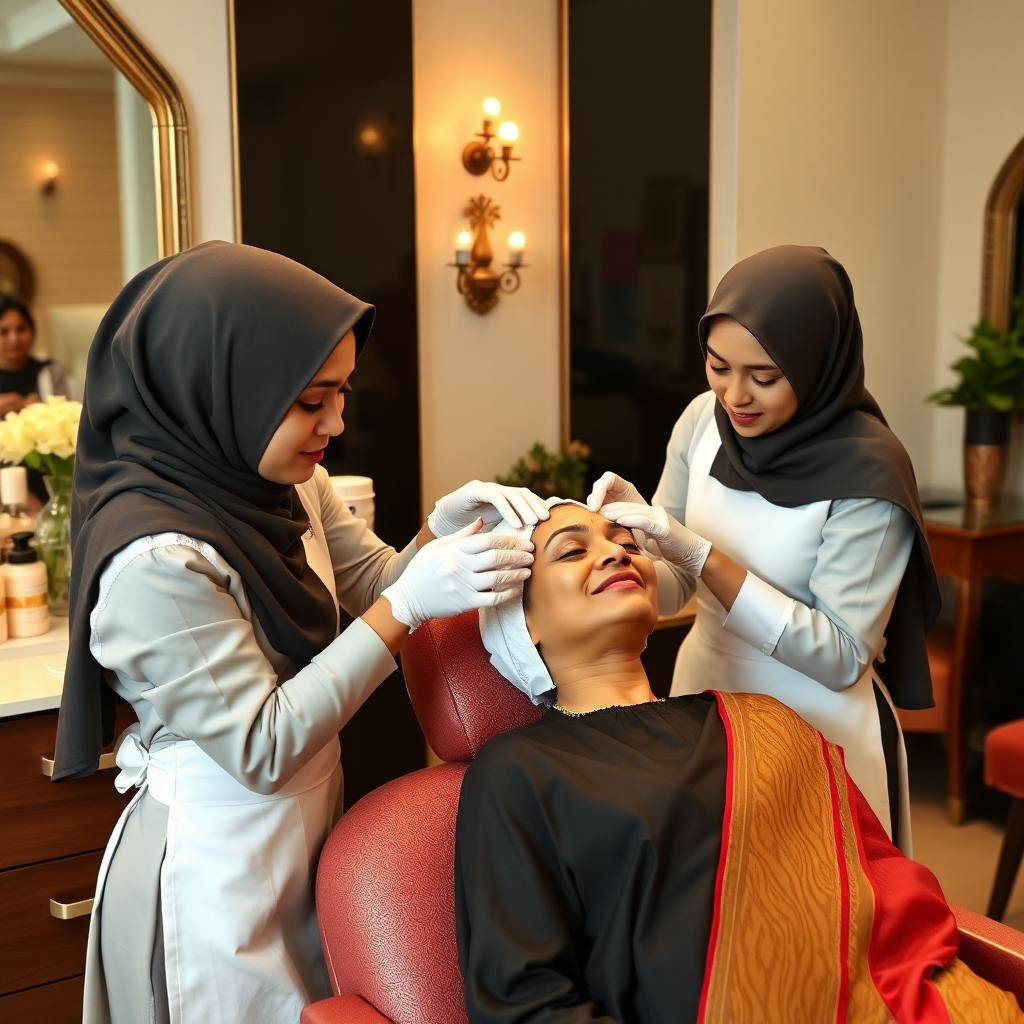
[
  {"x": 672, "y": 541},
  {"x": 453, "y": 574},
  {"x": 611, "y": 487},
  {"x": 491, "y": 502}
]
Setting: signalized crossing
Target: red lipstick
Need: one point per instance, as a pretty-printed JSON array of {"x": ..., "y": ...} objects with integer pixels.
[
  {"x": 621, "y": 581},
  {"x": 314, "y": 456}
]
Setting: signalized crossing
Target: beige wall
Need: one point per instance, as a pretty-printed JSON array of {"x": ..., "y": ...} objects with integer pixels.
[
  {"x": 984, "y": 120},
  {"x": 488, "y": 384},
  {"x": 190, "y": 38},
  {"x": 874, "y": 129},
  {"x": 840, "y": 145},
  {"x": 71, "y": 123}
]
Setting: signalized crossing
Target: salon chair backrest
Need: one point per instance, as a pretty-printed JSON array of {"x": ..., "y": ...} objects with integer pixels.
[{"x": 385, "y": 893}]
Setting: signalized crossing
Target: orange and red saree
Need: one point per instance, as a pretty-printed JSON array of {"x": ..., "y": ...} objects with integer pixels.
[{"x": 817, "y": 917}]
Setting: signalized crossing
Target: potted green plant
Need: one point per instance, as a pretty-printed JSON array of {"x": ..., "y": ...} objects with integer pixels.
[
  {"x": 547, "y": 475},
  {"x": 990, "y": 390}
]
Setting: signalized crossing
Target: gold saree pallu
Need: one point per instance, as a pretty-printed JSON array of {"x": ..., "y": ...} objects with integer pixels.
[{"x": 802, "y": 933}]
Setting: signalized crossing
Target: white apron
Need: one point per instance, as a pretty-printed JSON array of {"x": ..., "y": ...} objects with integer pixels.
[
  {"x": 780, "y": 546},
  {"x": 240, "y": 934},
  {"x": 238, "y": 912}
]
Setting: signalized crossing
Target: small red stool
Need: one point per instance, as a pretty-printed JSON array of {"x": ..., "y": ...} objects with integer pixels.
[{"x": 1004, "y": 770}]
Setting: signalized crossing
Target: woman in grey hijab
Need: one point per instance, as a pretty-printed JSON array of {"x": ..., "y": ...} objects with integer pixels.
[
  {"x": 211, "y": 557},
  {"x": 791, "y": 507}
]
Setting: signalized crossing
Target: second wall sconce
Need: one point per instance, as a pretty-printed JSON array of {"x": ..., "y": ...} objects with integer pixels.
[
  {"x": 473, "y": 255},
  {"x": 479, "y": 158}
]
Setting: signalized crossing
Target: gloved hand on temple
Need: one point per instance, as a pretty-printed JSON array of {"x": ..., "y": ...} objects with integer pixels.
[
  {"x": 491, "y": 502},
  {"x": 453, "y": 574},
  {"x": 610, "y": 487},
  {"x": 672, "y": 541}
]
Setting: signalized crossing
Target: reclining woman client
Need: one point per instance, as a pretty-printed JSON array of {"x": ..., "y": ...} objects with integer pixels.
[{"x": 705, "y": 857}]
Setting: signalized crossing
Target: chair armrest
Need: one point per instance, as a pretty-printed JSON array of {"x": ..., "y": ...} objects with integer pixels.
[
  {"x": 992, "y": 950},
  {"x": 346, "y": 1009}
]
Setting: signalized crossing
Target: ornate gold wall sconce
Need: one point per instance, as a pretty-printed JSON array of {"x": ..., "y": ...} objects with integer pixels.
[
  {"x": 473, "y": 255},
  {"x": 479, "y": 157}
]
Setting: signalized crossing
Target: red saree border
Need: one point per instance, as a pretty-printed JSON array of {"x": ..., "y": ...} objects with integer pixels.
[{"x": 730, "y": 745}]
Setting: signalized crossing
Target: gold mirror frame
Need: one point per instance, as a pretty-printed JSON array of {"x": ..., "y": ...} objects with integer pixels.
[
  {"x": 133, "y": 59},
  {"x": 1000, "y": 227}
]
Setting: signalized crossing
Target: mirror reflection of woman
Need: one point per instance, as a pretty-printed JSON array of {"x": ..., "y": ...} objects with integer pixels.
[
  {"x": 792, "y": 505},
  {"x": 25, "y": 379},
  {"x": 211, "y": 556}
]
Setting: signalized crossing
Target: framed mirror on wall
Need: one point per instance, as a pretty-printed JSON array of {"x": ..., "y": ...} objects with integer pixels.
[
  {"x": 636, "y": 124},
  {"x": 93, "y": 174},
  {"x": 1003, "y": 262}
]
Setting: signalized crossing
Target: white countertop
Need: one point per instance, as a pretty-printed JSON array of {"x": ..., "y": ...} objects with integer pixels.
[{"x": 32, "y": 671}]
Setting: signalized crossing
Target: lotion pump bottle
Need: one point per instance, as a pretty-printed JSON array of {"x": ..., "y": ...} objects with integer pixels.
[
  {"x": 13, "y": 496},
  {"x": 25, "y": 583}
]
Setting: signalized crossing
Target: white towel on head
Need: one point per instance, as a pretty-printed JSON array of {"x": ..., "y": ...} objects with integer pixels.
[{"x": 507, "y": 638}]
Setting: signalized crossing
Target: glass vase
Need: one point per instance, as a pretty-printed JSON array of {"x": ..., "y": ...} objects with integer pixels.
[{"x": 53, "y": 535}]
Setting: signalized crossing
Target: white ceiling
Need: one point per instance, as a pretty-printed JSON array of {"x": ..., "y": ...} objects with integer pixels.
[{"x": 42, "y": 32}]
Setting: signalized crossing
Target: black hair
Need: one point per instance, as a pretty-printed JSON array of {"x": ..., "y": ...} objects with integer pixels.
[{"x": 9, "y": 302}]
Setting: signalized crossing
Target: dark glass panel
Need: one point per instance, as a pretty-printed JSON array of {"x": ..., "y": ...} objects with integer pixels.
[
  {"x": 326, "y": 168},
  {"x": 639, "y": 117}
]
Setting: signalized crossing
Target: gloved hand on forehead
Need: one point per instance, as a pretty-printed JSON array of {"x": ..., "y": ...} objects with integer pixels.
[
  {"x": 611, "y": 487},
  {"x": 665, "y": 536},
  {"x": 518, "y": 506},
  {"x": 455, "y": 574}
]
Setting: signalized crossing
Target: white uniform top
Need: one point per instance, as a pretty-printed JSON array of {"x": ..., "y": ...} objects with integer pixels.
[
  {"x": 808, "y": 621},
  {"x": 211, "y": 867}
]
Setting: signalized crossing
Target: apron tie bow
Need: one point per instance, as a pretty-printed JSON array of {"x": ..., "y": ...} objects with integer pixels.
[{"x": 133, "y": 760}]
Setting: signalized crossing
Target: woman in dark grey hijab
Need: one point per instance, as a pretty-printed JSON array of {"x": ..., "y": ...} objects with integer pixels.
[
  {"x": 793, "y": 509},
  {"x": 210, "y": 560}
]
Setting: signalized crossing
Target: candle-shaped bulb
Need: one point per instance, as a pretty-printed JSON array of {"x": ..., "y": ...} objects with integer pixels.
[
  {"x": 492, "y": 108},
  {"x": 508, "y": 132},
  {"x": 463, "y": 245},
  {"x": 516, "y": 245}
]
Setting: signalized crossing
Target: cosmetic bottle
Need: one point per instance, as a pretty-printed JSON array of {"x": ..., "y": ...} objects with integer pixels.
[
  {"x": 25, "y": 583},
  {"x": 13, "y": 497}
]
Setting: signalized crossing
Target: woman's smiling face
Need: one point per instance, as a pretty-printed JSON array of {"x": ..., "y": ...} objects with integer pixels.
[
  {"x": 314, "y": 418},
  {"x": 746, "y": 381},
  {"x": 590, "y": 583}
]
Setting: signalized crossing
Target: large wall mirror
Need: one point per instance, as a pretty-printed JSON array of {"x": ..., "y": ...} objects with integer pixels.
[
  {"x": 1003, "y": 269},
  {"x": 93, "y": 170}
]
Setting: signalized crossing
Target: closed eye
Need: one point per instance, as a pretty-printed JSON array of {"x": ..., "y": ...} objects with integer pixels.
[{"x": 571, "y": 553}]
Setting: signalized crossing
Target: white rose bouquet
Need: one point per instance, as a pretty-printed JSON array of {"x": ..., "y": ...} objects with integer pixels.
[{"x": 42, "y": 436}]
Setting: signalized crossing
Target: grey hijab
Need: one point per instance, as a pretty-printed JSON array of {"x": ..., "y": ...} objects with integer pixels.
[
  {"x": 798, "y": 302},
  {"x": 192, "y": 369}
]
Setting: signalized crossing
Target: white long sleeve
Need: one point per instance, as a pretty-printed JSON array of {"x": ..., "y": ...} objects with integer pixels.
[
  {"x": 178, "y": 644},
  {"x": 864, "y": 550}
]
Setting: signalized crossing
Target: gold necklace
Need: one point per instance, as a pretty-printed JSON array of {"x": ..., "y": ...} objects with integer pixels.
[{"x": 580, "y": 714}]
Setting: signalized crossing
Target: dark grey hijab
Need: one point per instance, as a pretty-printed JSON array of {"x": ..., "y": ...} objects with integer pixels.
[
  {"x": 798, "y": 302},
  {"x": 192, "y": 369}
]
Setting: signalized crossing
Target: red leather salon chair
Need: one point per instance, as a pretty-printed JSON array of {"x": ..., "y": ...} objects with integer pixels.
[
  {"x": 385, "y": 891},
  {"x": 1004, "y": 770}
]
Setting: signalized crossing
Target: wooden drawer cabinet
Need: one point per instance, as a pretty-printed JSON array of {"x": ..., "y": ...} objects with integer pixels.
[
  {"x": 35, "y": 946},
  {"x": 52, "y": 837}
]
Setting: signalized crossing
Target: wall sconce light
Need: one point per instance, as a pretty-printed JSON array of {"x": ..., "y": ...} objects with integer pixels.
[
  {"x": 479, "y": 158},
  {"x": 48, "y": 178},
  {"x": 480, "y": 285},
  {"x": 372, "y": 139}
]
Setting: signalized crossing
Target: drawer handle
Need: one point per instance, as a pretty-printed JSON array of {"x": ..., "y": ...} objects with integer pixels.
[
  {"x": 106, "y": 761},
  {"x": 69, "y": 911}
]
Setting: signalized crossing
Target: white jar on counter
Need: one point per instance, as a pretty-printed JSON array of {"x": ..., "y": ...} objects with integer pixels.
[
  {"x": 357, "y": 493},
  {"x": 25, "y": 584}
]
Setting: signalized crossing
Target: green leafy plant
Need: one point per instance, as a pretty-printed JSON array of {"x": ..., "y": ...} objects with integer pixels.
[
  {"x": 993, "y": 379},
  {"x": 547, "y": 475}
]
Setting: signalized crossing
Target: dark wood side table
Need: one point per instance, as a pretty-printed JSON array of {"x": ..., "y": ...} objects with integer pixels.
[{"x": 969, "y": 545}]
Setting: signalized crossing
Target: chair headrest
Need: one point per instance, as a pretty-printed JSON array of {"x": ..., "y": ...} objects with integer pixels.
[{"x": 460, "y": 698}]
